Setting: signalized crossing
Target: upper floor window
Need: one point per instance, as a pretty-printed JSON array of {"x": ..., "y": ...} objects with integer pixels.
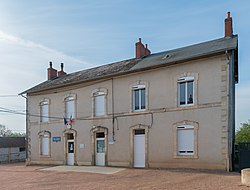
[
  {"x": 44, "y": 111},
  {"x": 99, "y": 105},
  {"x": 70, "y": 107},
  {"x": 186, "y": 91},
  {"x": 139, "y": 97},
  {"x": 99, "y": 102}
]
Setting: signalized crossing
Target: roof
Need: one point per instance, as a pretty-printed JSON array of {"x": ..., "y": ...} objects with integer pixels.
[
  {"x": 6, "y": 142},
  {"x": 165, "y": 58}
]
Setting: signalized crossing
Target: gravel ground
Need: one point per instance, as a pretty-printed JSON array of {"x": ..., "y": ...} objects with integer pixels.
[{"x": 17, "y": 176}]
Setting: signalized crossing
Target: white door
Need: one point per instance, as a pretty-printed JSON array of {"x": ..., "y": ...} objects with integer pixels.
[
  {"x": 100, "y": 152},
  {"x": 70, "y": 153},
  {"x": 139, "y": 150}
]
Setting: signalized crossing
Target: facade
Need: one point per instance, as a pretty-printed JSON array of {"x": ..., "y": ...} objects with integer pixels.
[
  {"x": 12, "y": 149},
  {"x": 169, "y": 109}
]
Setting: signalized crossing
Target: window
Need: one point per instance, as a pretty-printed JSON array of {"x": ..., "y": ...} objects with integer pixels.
[
  {"x": 185, "y": 142},
  {"x": 45, "y": 138},
  {"x": 22, "y": 149},
  {"x": 186, "y": 91},
  {"x": 99, "y": 103},
  {"x": 70, "y": 107},
  {"x": 139, "y": 97},
  {"x": 44, "y": 111}
]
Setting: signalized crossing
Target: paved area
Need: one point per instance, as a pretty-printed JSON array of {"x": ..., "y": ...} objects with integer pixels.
[
  {"x": 88, "y": 169},
  {"x": 17, "y": 176}
]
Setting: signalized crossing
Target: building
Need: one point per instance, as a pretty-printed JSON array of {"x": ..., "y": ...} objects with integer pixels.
[
  {"x": 169, "y": 109},
  {"x": 12, "y": 149}
]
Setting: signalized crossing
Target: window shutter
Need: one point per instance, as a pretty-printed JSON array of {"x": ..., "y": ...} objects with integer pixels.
[
  {"x": 45, "y": 146},
  {"x": 70, "y": 110},
  {"x": 45, "y": 113},
  {"x": 99, "y": 105},
  {"x": 186, "y": 141}
]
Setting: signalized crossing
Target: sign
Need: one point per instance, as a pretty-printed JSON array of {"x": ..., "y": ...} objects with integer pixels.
[
  {"x": 81, "y": 146},
  {"x": 56, "y": 139}
]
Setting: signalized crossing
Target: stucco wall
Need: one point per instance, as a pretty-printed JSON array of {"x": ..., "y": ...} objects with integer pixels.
[{"x": 209, "y": 111}]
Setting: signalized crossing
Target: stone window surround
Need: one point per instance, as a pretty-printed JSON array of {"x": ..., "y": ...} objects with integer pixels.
[
  {"x": 139, "y": 82},
  {"x": 175, "y": 130},
  {"x": 93, "y": 95},
  {"x": 41, "y": 135}
]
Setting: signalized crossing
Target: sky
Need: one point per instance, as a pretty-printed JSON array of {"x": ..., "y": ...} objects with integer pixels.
[{"x": 88, "y": 33}]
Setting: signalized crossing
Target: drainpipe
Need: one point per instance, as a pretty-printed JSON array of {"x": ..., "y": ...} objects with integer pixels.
[
  {"x": 231, "y": 111},
  {"x": 113, "y": 115},
  {"x": 26, "y": 135}
]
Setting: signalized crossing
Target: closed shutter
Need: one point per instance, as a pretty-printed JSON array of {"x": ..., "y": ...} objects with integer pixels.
[
  {"x": 185, "y": 141},
  {"x": 45, "y": 146},
  {"x": 70, "y": 110},
  {"x": 45, "y": 113},
  {"x": 99, "y": 106}
]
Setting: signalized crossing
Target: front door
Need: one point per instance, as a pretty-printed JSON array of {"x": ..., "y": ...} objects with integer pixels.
[
  {"x": 139, "y": 148},
  {"x": 70, "y": 153},
  {"x": 100, "y": 149}
]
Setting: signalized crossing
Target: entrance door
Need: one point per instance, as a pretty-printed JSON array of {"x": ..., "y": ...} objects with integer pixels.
[
  {"x": 139, "y": 148},
  {"x": 70, "y": 153},
  {"x": 100, "y": 149}
]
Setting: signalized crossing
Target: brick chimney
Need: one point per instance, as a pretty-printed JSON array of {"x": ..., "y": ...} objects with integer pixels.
[
  {"x": 228, "y": 25},
  {"x": 52, "y": 73},
  {"x": 61, "y": 73},
  {"x": 141, "y": 50}
]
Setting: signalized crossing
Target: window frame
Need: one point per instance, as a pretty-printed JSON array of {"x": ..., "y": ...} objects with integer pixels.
[
  {"x": 138, "y": 88},
  {"x": 42, "y": 135},
  {"x": 42, "y": 104},
  {"x": 67, "y": 99},
  {"x": 97, "y": 93},
  {"x": 186, "y": 125},
  {"x": 185, "y": 80}
]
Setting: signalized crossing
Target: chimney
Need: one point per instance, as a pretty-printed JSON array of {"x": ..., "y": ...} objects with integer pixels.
[
  {"x": 140, "y": 50},
  {"x": 61, "y": 73},
  {"x": 228, "y": 25},
  {"x": 52, "y": 73}
]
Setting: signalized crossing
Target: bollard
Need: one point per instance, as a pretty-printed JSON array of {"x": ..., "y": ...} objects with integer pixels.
[{"x": 245, "y": 177}]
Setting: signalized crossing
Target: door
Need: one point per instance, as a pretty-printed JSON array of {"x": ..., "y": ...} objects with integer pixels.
[
  {"x": 100, "y": 152},
  {"x": 139, "y": 148},
  {"x": 70, "y": 153}
]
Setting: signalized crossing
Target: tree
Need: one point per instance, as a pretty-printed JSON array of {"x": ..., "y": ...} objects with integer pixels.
[
  {"x": 4, "y": 132},
  {"x": 243, "y": 133}
]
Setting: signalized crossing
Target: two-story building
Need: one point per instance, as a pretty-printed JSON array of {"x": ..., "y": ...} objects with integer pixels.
[{"x": 169, "y": 109}]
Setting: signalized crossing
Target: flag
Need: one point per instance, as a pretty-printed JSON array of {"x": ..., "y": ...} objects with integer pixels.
[
  {"x": 65, "y": 121},
  {"x": 70, "y": 120}
]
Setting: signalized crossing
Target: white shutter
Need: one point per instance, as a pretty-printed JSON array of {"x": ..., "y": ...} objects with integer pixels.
[
  {"x": 99, "y": 105},
  {"x": 44, "y": 112},
  {"x": 45, "y": 146},
  {"x": 70, "y": 109},
  {"x": 185, "y": 141}
]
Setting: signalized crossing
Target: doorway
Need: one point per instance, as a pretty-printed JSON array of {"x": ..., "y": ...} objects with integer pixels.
[
  {"x": 100, "y": 149},
  {"x": 139, "y": 148},
  {"x": 70, "y": 149}
]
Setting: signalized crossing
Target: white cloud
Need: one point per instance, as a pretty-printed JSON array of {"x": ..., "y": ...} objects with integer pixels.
[{"x": 23, "y": 64}]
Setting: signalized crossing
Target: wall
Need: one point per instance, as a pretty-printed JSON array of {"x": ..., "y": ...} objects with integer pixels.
[{"x": 210, "y": 112}]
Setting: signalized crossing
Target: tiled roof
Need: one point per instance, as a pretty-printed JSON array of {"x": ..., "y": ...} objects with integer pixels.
[
  {"x": 6, "y": 142},
  {"x": 134, "y": 65}
]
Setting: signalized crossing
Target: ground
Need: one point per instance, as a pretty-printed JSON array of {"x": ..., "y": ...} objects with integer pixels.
[{"x": 18, "y": 176}]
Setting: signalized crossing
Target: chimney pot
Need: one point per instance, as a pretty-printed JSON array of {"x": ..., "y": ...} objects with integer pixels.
[
  {"x": 61, "y": 66},
  {"x": 60, "y": 73}
]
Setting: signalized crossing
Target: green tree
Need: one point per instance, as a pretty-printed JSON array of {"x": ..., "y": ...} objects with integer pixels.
[
  {"x": 243, "y": 133},
  {"x": 4, "y": 132}
]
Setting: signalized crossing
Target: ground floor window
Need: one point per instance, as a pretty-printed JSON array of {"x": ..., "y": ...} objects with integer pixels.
[
  {"x": 45, "y": 143},
  {"x": 185, "y": 135}
]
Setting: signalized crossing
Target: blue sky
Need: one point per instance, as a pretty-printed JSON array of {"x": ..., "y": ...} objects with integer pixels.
[{"x": 87, "y": 33}]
